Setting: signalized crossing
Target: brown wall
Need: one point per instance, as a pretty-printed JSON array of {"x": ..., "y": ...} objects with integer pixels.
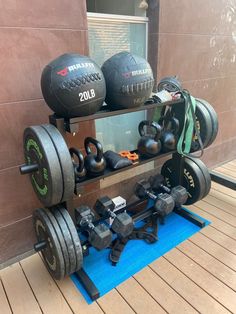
[
  {"x": 32, "y": 33},
  {"x": 194, "y": 43},
  {"x": 197, "y": 42}
]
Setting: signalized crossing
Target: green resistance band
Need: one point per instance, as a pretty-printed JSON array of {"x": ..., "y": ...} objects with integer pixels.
[{"x": 190, "y": 124}]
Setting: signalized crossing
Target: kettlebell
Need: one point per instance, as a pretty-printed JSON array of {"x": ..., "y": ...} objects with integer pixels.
[
  {"x": 169, "y": 133},
  {"x": 80, "y": 171},
  {"x": 149, "y": 146},
  {"x": 95, "y": 164}
]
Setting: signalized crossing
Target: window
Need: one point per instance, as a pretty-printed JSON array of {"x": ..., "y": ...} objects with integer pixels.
[{"x": 108, "y": 35}]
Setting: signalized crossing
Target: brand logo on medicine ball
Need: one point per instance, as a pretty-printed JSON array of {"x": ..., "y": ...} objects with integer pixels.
[
  {"x": 137, "y": 72},
  {"x": 75, "y": 67}
]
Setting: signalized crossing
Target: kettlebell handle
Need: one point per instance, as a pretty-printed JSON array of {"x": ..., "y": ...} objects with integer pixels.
[
  {"x": 97, "y": 144},
  {"x": 174, "y": 124},
  {"x": 152, "y": 124},
  {"x": 80, "y": 157}
]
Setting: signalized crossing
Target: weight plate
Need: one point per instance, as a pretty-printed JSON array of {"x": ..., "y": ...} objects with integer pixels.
[
  {"x": 47, "y": 181},
  {"x": 52, "y": 254},
  {"x": 214, "y": 120},
  {"x": 193, "y": 179},
  {"x": 204, "y": 124},
  {"x": 205, "y": 173},
  {"x": 171, "y": 84},
  {"x": 68, "y": 241},
  {"x": 59, "y": 233},
  {"x": 64, "y": 157},
  {"x": 74, "y": 237}
]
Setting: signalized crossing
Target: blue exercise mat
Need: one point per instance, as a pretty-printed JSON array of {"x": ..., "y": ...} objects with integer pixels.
[{"x": 136, "y": 255}]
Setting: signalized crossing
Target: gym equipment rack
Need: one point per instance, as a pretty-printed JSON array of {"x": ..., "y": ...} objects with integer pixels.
[{"x": 73, "y": 126}]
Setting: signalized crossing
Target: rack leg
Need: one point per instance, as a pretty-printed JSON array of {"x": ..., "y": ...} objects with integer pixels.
[
  {"x": 190, "y": 217},
  {"x": 88, "y": 285}
]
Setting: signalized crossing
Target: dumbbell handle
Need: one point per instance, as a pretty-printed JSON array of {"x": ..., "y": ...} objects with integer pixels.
[
  {"x": 165, "y": 188},
  {"x": 111, "y": 214},
  {"x": 151, "y": 195}
]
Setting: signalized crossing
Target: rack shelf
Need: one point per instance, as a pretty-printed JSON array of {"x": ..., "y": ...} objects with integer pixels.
[
  {"x": 72, "y": 125},
  {"x": 108, "y": 172}
]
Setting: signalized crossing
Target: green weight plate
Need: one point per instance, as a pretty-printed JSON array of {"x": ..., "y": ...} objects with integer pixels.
[
  {"x": 205, "y": 173},
  {"x": 193, "y": 179},
  {"x": 47, "y": 181},
  {"x": 74, "y": 237},
  {"x": 64, "y": 157},
  {"x": 52, "y": 254},
  {"x": 204, "y": 124},
  {"x": 214, "y": 120}
]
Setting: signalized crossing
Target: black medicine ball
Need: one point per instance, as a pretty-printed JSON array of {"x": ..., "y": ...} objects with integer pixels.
[
  {"x": 73, "y": 85},
  {"x": 129, "y": 80}
]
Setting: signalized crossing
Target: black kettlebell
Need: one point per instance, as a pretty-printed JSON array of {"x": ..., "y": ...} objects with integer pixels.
[
  {"x": 170, "y": 128},
  {"x": 80, "y": 171},
  {"x": 94, "y": 164},
  {"x": 149, "y": 145}
]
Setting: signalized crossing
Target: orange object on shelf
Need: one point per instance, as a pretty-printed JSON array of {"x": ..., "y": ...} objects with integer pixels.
[{"x": 129, "y": 155}]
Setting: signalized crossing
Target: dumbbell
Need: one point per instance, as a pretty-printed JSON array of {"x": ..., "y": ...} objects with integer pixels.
[
  {"x": 179, "y": 193},
  {"x": 100, "y": 236},
  {"x": 122, "y": 223},
  {"x": 163, "y": 202}
]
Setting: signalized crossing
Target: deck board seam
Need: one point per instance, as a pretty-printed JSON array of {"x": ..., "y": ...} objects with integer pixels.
[
  {"x": 211, "y": 255},
  {"x": 126, "y": 301},
  {"x": 228, "y": 203},
  {"x": 225, "y": 211},
  {"x": 58, "y": 287},
  {"x": 31, "y": 287},
  {"x": 172, "y": 288},
  {"x": 198, "y": 285},
  {"x": 149, "y": 294},
  {"x": 182, "y": 251},
  {"x": 215, "y": 216},
  {"x": 6, "y": 295},
  {"x": 224, "y": 247}
]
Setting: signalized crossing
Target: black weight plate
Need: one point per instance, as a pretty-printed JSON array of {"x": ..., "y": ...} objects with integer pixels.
[
  {"x": 67, "y": 168},
  {"x": 52, "y": 254},
  {"x": 171, "y": 84},
  {"x": 193, "y": 179},
  {"x": 204, "y": 124},
  {"x": 205, "y": 173},
  {"x": 59, "y": 233},
  {"x": 47, "y": 181},
  {"x": 74, "y": 237},
  {"x": 214, "y": 120},
  {"x": 68, "y": 240}
]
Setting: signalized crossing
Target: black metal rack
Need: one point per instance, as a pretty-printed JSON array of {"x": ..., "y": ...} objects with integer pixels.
[{"x": 72, "y": 126}]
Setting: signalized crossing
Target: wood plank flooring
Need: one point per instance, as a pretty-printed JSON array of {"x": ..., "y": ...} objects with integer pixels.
[{"x": 198, "y": 276}]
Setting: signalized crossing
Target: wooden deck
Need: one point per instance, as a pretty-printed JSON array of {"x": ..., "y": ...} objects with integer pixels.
[{"x": 199, "y": 275}]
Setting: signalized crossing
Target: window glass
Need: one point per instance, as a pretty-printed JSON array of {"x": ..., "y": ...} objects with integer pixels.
[
  {"x": 106, "y": 38},
  {"x": 121, "y": 7}
]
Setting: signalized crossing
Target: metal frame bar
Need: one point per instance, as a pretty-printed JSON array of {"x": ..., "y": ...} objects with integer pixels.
[{"x": 223, "y": 180}]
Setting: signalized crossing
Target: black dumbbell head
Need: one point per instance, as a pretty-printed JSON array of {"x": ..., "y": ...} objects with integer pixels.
[
  {"x": 83, "y": 216},
  {"x": 100, "y": 237},
  {"x": 103, "y": 204},
  {"x": 123, "y": 225},
  {"x": 141, "y": 188},
  {"x": 164, "y": 204},
  {"x": 156, "y": 181},
  {"x": 180, "y": 195}
]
